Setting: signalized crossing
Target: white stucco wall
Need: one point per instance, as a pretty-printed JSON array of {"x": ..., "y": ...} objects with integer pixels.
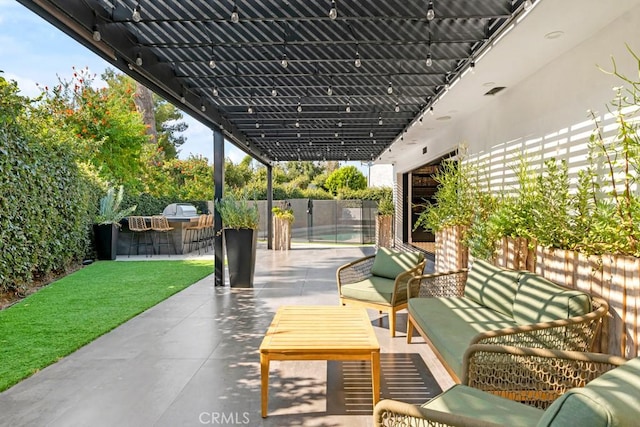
[{"x": 546, "y": 113}]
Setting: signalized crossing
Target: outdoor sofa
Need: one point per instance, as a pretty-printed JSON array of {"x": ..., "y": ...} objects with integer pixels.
[
  {"x": 493, "y": 305},
  {"x": 380, "y": 281},
  {"x": 520, "y": 386}
]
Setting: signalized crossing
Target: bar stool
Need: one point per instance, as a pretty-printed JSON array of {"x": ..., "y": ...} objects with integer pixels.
[
  {"x": 194, "y": 233},
  {"x": 138, "y": 226},
  {"x": 160, "y": 226},
  {"x": 208, "y": 233}
]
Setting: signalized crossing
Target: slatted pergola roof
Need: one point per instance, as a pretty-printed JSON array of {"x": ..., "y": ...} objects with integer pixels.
[{"x": 286, "y": 81}]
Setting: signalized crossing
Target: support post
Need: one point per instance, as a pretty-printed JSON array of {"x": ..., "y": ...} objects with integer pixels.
[
  {"x": 269, "y": 207},
  {"x": 218, "y": 187}
]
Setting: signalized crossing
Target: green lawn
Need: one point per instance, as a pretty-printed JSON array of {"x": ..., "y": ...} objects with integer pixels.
[{"x": 75, "y": 310}]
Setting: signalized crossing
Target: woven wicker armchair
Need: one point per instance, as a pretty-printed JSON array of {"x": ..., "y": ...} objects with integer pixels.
[
  {"x": 577, "y": 333},
  {"x": 379, "y": 281},
  {"x": 530, "y": 378}
]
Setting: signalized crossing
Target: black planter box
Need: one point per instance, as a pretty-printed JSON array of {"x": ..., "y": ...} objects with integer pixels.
[
  {"x": 241, "y": 256},
  {"x": 106, "y": 241}
]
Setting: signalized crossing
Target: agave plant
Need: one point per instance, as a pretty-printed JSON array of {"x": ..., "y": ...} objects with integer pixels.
[{"x": 110, "y": 212}]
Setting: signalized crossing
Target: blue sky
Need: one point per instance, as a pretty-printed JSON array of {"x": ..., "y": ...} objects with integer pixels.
[{"x": 32, "y": 51}]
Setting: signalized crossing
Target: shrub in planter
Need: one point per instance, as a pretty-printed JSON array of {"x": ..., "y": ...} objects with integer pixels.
[
  {"x": 108, "y": 223},
  {"x": 282, "y": 220},
  {"x": 240, "y": 220}
]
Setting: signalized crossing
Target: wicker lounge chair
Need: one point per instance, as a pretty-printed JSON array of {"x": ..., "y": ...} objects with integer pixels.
[
  {"x": 519, "y": 386},
  {"x": 380, "y": 281}
]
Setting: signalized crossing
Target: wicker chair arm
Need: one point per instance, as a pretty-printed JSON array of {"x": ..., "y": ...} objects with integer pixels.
[
  {"x": 393, "y": 413},
  {"x": 576, "y": 333},
  {"x": 354, "y": 271},
  {"x": 448, "y": 284},
  {"x": 533, "y": 376},
  {"x": 402, "y": 281}
]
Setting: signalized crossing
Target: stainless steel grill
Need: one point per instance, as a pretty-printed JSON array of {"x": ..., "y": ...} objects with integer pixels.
[{"x": 180, "y": 210}]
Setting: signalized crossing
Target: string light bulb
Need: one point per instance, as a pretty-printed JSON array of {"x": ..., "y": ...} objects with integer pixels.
[
  {"x": 333, "y": 12},
  {"x": 397, "y": 108},
  {"x": 329, "y": 90},
  {"x": 235, "y": 16},
  {"x": 431, "y": 14},
  {"x": 203, "y": 107},
  {"x": 212, "y": 63},
  {"x": 136, "y": 16},
  {"x": 528, "y": 4},
  {"x": 96, "y": 34},
  {"x": 380, "y": 120},
  {"x": 138, "y": 60},
  {"x": 429, "y": 60},
  {"x": 357, "y": 62},
  {"x": 215, "y": 91},
  {"x": 390, "y": 88},
  {"x": 299, "y": 108},
  {"x": 284, "y": 61}
]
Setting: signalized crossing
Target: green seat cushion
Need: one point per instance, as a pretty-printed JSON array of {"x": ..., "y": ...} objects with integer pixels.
[
  {"x": 480, "y": 405},
  {"x": 390, "y": 263},
  {"x": 492, "y": 286},
  {"x": 374, "y": 289},
  {"x": 610, "y": 400},
  {"x": 539, "y": 300},
  {"x": 451, "y": 323}
]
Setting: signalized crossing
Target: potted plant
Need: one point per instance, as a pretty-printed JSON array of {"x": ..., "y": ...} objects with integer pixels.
[
  {"x": 108, "y": 223},
  {"x": 282, "y": 220},
  {"x": 240, "y": 220},
  {"x": 384, "y": 221}
]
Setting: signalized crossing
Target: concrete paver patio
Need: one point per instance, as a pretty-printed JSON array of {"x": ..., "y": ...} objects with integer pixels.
[{"x": 193, "y": 360}]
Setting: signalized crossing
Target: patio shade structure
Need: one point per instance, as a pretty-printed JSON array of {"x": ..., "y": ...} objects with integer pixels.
[
  {"x": 290, "y": 80},
  {"x": 295, "y": 80}
]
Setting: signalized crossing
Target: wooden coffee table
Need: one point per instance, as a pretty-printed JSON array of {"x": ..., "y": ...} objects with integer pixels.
[{"x": 320, "y": 333}]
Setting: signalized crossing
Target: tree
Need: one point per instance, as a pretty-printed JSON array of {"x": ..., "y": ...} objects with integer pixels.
[
  {"x": 238, "y": 176},
  {"x": 109, "y": 131},
  {"x": 168, "y": 127},
  {"x": 346, "y": 177}
]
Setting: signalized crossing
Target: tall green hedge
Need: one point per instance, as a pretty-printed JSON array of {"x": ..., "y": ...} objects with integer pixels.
[{"x": 46, "y": 200}]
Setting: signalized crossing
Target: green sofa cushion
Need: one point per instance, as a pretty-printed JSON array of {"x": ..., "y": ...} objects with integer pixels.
[
  {"x": 479, "y": 405},
  {"x": 492, "y": 286},
  {"x": 390, "y": 263},
  {"x": 539, "y": 300},
  {"x": 374, "y": 289},
  {"x": 610, "y": 400},
  {"x": 451, "y": 323}
]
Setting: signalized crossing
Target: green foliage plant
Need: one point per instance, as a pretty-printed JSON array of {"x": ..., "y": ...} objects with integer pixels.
[
  {"x": 456, "y": 200},
  {"x": 48, "y": 198},
  {"x": 110, "y": 212},
  {"x": 284, "y": 212},
  {"x": 346, "y": 177},
  {"x": 616, "y": 216},
  {"x": 386, "y": 206},
  {"x": 237, "y": 212}
]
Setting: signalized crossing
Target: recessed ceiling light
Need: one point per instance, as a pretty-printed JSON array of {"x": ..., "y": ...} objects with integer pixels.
[{"x": 554, "y": 35}]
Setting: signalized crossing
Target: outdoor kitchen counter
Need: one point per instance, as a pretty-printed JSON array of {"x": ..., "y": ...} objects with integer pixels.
[{"x": 178, "y": 234}]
